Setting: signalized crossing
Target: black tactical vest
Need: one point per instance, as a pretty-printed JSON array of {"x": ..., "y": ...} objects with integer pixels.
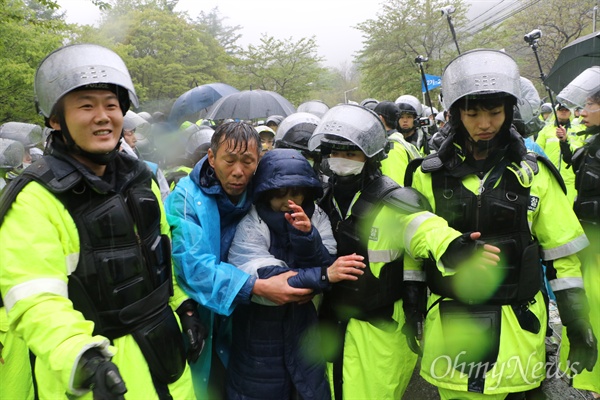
[
  {"x": 367, "y": 296},
  {"x": 123, "y": 278},
  {"x": 587, "y": 183},
  {"x": 500, "y": 214}
]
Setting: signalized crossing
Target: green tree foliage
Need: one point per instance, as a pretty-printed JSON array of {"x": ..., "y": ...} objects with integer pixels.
[
  {"x": 561, "y": 22},
  {"x": 290, "y": 68},
  {"x": 166, "y": 54},
  {"x": 28, "y": 32},
  {"x": 213, "y": 23},
  {"x": 402, "y": 31}
]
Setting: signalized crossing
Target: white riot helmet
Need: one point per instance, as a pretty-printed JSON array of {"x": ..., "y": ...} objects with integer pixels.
[
  {"x": 11, "y": 154},
  {"x": 133, "y": 121},
  {"x": 546, "y": 108},
  {"x": 480, "y": 72},
  {"x": 409, "y": 104},
  {"x": 427, "y": 111},
  {"x": 353, "y": 127},
  {"x": 581, "y": 88},
  {"x": 295, "y": 131},
  {"x": 81, "y": 65},
  {"x": 529, "y": 102},
  {"x": 315, "y": 107},
  {"x": 146, "y": 115},
  {"x": 29, "y": 135},
  {"x": 440, "y": 117},
  {"x": 198, "y": 143},
  {"x": 528, "y": 109}
]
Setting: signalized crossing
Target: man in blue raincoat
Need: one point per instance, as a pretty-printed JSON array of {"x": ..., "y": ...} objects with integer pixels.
[{"x": 203, "y": 211}]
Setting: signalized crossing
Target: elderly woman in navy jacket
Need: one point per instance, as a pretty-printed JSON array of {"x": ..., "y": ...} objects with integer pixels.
[{"x": 275, "y": 352}]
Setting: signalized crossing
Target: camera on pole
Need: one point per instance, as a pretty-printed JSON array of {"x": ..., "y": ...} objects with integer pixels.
[
  {"x": 446, "y": 11},
  {"x": 533, "y": 36},
  {"x": 532, "y": 39}
]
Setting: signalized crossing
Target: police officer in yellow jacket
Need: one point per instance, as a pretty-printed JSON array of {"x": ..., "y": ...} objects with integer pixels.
[
  {"x": 584, "y": 91},
  {"x": 85, "y": 258},
  {"x": 559, "y": 140},
  {"x": 377, "y": 317},
  {"x": 484, "y": 331},
  {"x": 401, "y": 152},
  {"x": 15, "y": 365}
]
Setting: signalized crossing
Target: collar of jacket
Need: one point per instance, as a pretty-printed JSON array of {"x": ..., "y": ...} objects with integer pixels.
[
  {"x": 121, "y": 170},
  {"x": 203, "y": 175},
  {"x": 455, "y": 159}
]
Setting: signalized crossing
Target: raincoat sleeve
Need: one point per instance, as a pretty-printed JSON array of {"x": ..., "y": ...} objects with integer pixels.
[
  {"x": 399, "y": 156},
  {"x": 40, "y": 249},
  {"x": 428, "y": 235},
  {"x": 195, "y": 230},
  {"x": 559, "y": 242},
  {"x": 250, "y": 251},
  {"x": 321, "y": 222},
  {"x": 250, "y": 248}
]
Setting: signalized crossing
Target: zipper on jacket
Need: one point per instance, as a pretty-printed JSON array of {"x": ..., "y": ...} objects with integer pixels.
[{"x": 479, "y": 194}]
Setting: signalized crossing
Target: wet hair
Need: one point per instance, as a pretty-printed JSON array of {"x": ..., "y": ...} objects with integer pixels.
[
  {"x": 483, "y": 102},
  {"x": 240, "y": 133}
]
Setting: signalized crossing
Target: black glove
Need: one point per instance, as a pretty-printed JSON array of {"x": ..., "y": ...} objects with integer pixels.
[
  {"x": 194, "y": 331},
  {"x": 100, "y": 375},
  {"x": 573, "y": 309},
  {"x": 414, "y": 303},
  {"x": 461, "y": 250}
]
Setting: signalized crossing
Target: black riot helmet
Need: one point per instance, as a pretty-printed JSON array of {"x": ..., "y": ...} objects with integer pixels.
[
  {"x": 295, "y": 131},
  {"x": 390, "y": 113}
]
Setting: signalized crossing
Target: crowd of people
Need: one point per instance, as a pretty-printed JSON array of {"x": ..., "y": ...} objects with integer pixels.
[{"x": 318, "y": 255}]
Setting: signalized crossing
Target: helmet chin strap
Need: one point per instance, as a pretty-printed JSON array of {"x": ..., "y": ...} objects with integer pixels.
[
  {"x": 73, "y": 148},
  {"x": 481, "y": 146},
  {"x": 406, "y": 130}
]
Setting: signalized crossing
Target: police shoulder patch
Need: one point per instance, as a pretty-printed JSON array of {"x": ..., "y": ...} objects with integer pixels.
[
  {"x": 374, "y": 235},
  {"x": 533, "y": 203}
]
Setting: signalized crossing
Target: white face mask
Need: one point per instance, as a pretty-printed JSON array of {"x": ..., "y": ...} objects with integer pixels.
[{"x": 344, "y": 167}]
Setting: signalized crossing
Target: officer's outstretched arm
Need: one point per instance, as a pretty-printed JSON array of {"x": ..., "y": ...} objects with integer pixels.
[
  {"x": 467, "y": 249},
  {"x": 574, "y": 309},
  {"x": 96, "y": 372}
]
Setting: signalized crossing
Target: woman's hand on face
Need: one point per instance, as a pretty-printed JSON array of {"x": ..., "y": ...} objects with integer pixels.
[{"x": 298, "y": 218}]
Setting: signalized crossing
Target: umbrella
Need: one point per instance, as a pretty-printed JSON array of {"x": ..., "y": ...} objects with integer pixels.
[
  {"x": 189, "y": 104},
  {"x": 573, "y": 59},
  {"x": 250, "y": 104}
]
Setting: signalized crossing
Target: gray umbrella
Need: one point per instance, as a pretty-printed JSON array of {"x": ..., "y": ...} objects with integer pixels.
[
  {"x": 250, "y": 104},
  {"x": 573, "y": 59}
]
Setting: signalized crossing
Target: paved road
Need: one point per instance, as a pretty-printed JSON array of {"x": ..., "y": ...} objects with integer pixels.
[{"x": 552, "y": 389}]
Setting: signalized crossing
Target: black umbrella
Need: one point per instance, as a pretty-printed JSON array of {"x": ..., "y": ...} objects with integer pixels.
[
  {"x": 573, "y": 59},
  {"x": 189, "y": 104},
  {"x": 250, "y": 104}
]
